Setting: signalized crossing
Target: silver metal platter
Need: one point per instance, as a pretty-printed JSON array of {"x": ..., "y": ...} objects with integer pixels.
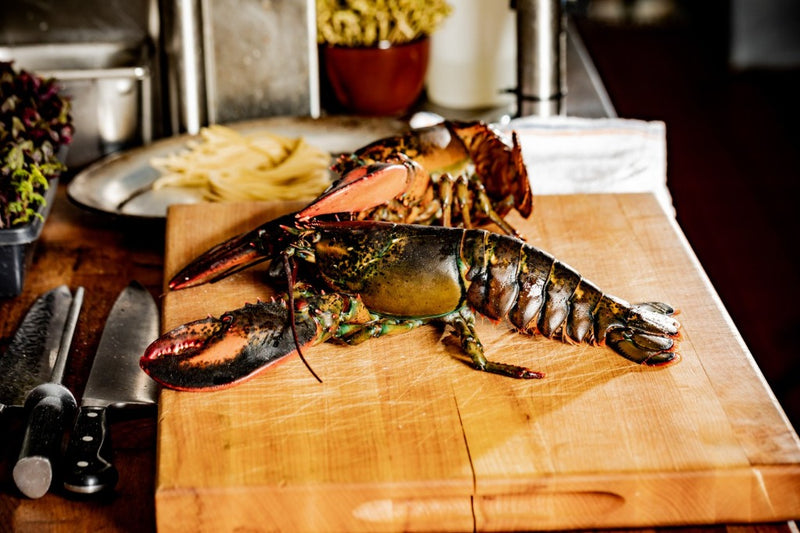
[{"x": 119, "y": 184}]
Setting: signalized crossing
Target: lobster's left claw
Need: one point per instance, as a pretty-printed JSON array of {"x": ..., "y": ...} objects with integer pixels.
[
  {"x": 215, "y": 353},
  {"x": 369, "y": 186}
]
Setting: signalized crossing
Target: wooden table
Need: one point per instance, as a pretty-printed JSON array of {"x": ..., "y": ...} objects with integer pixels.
[
  {"x": 79, "y": 248},
  {"x": 87, "y": 249}
]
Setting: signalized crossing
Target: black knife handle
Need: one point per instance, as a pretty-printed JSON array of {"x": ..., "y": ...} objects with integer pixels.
[
  {"x": 50, "y": 409},
  {"x": 87, "y": 461}
]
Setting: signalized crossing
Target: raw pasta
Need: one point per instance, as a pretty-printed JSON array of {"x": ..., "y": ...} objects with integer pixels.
[{"x": 231, "y": 166}]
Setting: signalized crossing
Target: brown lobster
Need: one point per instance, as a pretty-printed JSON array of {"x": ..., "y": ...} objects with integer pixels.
[{"x": 452, "y": 173}]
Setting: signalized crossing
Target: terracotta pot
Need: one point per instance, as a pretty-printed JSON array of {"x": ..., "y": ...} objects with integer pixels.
[{"x": 377, "y": 81}]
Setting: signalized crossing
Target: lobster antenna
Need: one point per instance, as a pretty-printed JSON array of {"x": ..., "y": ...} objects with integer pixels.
[{"x": 291, "y": 278}]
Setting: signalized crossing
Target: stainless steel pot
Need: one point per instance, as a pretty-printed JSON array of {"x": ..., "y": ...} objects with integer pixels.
[{"x": 109, "y": 85}]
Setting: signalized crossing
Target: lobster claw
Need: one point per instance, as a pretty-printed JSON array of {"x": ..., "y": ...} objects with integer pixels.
[
  {"x": 371, "y": 185},
  {"x": 234, "y": 254},
  {"x": 215, "y": 353}
]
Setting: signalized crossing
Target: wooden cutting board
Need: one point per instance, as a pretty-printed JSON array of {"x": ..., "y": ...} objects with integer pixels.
[{"x": 403, "y": 436}]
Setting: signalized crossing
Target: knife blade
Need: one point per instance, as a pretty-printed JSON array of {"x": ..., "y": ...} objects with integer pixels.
[
  {"x": 115, "y": 381},
  {"x": 50, "y": 407},
  {"x": 31, "y": 356}
]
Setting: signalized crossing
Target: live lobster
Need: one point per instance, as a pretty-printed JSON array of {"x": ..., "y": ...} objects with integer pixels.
[
  {"x": 450, "y": 174},
  {"x": 383, "y": 278}
]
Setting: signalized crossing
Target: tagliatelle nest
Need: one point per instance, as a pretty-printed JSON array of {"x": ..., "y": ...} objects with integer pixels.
[
  {"x": 356, "y": 23},
  {"x": 230, "y": 166}
]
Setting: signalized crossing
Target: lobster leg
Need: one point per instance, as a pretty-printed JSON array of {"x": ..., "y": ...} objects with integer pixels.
[
  {"x": 483, "y": 205},
  {"x": 463, "y": 323},
  {"x": 354, "y": 333}
]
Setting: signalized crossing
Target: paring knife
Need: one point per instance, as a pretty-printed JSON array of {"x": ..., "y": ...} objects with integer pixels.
[
  {"x": 32, "y": 369},
  {"x": 115, "y": 380}
]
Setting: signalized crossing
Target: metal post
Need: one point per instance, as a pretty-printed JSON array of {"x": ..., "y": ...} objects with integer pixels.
[
  {"x": 541, "y": 58},
  {"x": 184, "y": 44}
]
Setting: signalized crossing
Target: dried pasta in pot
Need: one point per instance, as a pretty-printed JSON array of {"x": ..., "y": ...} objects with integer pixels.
[{"x": 230, "y": 166}]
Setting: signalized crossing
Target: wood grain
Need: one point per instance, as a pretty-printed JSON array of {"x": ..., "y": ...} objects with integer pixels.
[{"x": 403, "y": 436}]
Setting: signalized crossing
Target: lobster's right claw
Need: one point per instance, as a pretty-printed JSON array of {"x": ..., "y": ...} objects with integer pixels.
[
  {"x": 649, "y": 336},
  {"x": 215, "y": 353},
  {"x": 365, "y": 187},
  {"x": 234, "y": 254}
]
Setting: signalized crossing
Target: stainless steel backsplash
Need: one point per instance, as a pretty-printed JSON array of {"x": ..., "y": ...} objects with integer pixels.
[
  {"x": 231, "y": 60},
  {"x": 65, "y": 21},
  {"x": 261, "y": 63}
]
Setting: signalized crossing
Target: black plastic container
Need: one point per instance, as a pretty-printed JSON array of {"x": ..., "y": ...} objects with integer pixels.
[{"x": 17, "y": 246}]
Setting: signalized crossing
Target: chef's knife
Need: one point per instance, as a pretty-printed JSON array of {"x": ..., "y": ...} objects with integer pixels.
[
  {"x": 115, "y": 380},
  {"x": 50, "y": 408}
]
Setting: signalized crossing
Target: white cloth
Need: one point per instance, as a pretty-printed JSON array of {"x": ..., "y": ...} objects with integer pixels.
[{"x": 569, "y": 155}]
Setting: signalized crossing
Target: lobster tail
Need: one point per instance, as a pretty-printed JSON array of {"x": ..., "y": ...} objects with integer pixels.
[
  {"x": 537, "y": 293},
  {"x": 645, "y": 333},
  {"x": 500, "y": 166}
]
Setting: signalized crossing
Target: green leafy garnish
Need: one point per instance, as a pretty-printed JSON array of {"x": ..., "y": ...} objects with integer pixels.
[{"x": 35, "y": 122}]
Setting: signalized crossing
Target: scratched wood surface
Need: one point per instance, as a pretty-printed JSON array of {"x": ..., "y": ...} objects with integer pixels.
[{"x": 403, "y": 436}]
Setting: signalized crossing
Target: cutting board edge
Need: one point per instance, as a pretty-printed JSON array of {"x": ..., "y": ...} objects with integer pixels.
[
  {"x": 344, "y": 507},
  {"x": 638, "y": 499},
  {"x": 755, "y": 494},
  {"x": 785, "y": 435}
]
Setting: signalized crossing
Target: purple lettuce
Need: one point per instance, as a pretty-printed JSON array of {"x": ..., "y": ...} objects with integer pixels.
[{"x": 35, "y": 122}]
